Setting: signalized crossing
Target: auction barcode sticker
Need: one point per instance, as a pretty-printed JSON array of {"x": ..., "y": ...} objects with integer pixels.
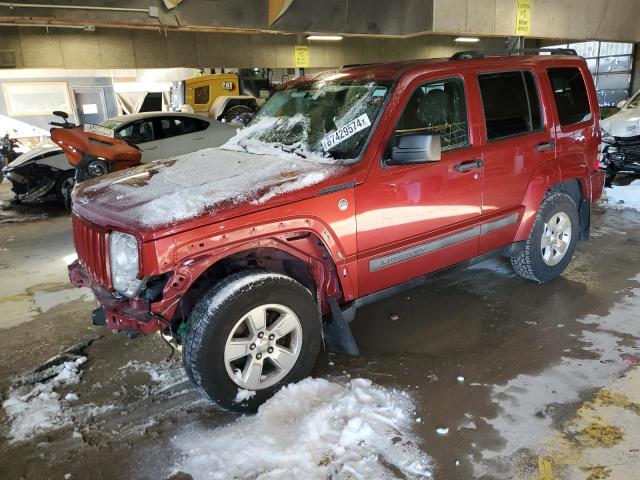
[{"x": 344, "y": 132}]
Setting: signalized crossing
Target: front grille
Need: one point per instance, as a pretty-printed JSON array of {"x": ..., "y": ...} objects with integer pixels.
[
  {"x": 91, "y": 246},
  {"x": 630, "y": 146}
]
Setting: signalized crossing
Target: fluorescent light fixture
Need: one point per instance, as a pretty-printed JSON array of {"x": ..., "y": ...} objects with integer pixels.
[
  {"x": 467, "y": 40},
  {"x": 325, "y": 38}
]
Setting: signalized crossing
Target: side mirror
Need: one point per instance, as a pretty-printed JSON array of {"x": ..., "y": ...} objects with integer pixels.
[
  {"x": 418, "y": 148},
  {"x": 60, "y": 114},
  {"x": 620, "y": 104}
]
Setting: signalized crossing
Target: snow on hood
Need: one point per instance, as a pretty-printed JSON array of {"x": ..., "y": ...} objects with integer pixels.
[
  {"x": 206, "y": 181},
  {"x": 42, "y": 148},
  {"x": 625, "y": 123}
]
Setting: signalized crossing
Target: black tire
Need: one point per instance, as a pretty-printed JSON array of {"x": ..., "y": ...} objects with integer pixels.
[
  {"x": 61, "y": 183},
  {"x": 610, "y": 175},
  {"x": 215, "y": 315},
  {"x": 529, "y": 263},
  {"x": 238, "y": 115}
]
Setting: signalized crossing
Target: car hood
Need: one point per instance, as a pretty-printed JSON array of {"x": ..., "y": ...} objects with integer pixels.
[
  {"x": 35, "y": 153},
  {"x": 212, "y": 182},
  {"x": 625, "y": 123}
]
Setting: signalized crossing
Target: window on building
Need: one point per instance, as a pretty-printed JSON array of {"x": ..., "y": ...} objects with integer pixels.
[
  {"x": 439, "y": 108},
  {"x": 570, "y": 94},
  {"x": 36, "y": 98},
  {"x": 610, "y": 64},
  {"x": 511, "y": 104}
]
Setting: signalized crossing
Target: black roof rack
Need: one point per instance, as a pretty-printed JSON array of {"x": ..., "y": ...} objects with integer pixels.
[{"x": 470, "y": 54}]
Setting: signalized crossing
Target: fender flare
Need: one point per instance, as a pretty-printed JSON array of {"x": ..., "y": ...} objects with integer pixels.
[
  {"x": 193, "y": 259},
  {"x": 543, "y": 177}
]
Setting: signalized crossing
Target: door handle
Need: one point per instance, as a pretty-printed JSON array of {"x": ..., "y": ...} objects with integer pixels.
[
  {"x": 153, "y": 147},
  {"x": 541, "y": 147},
  {"x": 198, "y": 138},
  {"x": 468, "y": 165}
]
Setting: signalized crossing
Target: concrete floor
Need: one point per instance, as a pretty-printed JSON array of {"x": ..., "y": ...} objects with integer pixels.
[{"x": 532, "y": 381}]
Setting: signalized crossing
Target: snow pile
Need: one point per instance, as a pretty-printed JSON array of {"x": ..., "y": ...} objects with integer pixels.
[
  {"x": 166, "y": 375},
  {"x": 205, "y": 181},
  {"x": 243, "y": 395},
  {"x": 625, "y": 196},
  {"x": 312, "y": 429},
  {"x": 35, "y": 408}
]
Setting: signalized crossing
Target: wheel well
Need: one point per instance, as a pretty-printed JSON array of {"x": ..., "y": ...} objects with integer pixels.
[
  {"x": 572, "y": 188},
  {"x": 250, "y": 103},
  {"x": 265, "y": 259}
]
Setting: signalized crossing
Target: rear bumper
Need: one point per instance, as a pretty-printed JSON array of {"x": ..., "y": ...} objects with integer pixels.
[
  {"x": 122, "y": 314},
  {"x": 597, "y": 185}
]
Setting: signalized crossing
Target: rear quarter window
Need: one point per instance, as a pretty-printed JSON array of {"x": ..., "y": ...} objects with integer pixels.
[{"x": 570, "y": 93}]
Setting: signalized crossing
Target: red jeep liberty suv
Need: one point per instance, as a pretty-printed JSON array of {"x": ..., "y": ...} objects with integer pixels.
[{"x": 346, "y": 186}]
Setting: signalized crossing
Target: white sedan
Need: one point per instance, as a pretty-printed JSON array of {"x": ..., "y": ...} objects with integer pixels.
[{"x": 45, "y": 170}]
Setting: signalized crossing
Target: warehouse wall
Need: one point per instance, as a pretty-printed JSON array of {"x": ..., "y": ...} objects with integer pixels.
[
  {"x": 120, "y": 48},
  {"x": 42, "y": 121},
  {"x": 568, "y": 19}
]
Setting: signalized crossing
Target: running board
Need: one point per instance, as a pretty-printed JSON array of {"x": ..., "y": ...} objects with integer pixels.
[{"x": 336, "y": 332}]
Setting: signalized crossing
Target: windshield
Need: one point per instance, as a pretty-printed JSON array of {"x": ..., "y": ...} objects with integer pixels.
[
  {"x": 112, "y": 124},
  {"x": 320, "y": 120}
]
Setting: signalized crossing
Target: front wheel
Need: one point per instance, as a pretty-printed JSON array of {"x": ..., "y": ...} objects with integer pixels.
[
  {"x": 250, "y": 335},
  {"x": 552, "y": 240},
  {"x": 64, "y": 187}
]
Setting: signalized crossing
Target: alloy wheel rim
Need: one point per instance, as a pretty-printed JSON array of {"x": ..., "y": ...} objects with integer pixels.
[
  {"x": 556, "y": 238},
  {"x": 263, "y": 346},
  {"x": 67, "y": 185}
]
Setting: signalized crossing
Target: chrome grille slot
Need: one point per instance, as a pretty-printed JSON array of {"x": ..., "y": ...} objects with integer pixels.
[{"x": 91, "y": 248}]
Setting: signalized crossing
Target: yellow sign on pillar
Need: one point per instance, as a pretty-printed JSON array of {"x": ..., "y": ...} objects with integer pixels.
[
  {"x": 523, "y": 17},
  {"x": 301, "y": 56}
]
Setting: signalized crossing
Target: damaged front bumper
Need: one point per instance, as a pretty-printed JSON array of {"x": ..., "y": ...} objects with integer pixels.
[
  {"x": 623, "y": 154},
  {"x": 132, "y": 316}
]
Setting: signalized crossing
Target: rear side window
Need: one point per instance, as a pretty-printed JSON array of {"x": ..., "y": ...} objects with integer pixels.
[
  {"x": 571, "y": 96},
  {"x": 174, "y": 126},
  {"x": 511, "y": 104}
]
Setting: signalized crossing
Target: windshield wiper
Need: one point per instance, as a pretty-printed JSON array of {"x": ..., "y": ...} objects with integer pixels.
[{"x": 294, "y": 150}]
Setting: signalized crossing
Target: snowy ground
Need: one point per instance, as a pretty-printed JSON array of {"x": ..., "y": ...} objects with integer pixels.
[
  {"x": 472, "y": 373},
  {"x": 624, "y": 196},
  {"x": 312, "y": 429}
]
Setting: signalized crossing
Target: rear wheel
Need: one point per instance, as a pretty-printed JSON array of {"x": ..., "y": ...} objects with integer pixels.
[
  {"x": 250, "y": 335},
  {"x": 552, "y": 240}
]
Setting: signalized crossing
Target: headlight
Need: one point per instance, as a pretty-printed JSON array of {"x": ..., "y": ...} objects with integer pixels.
[
  {"x": 123, "y": 256},
  {"x": 607, "y": 137}
]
